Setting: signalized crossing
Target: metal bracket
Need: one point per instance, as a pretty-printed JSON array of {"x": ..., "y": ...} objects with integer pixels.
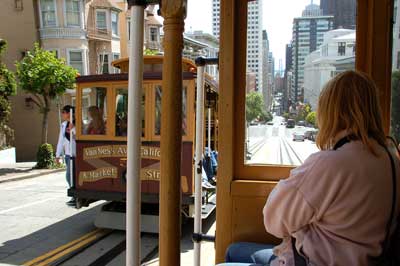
[
  {"x": 142, "y": 2},
  {"x": 199, "y": 166},
  {"x": 197, "y": 238},
  {"x": 202, "y": 61}
]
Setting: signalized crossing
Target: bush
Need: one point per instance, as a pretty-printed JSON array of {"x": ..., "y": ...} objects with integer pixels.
[{"x": 45, "y": 157}]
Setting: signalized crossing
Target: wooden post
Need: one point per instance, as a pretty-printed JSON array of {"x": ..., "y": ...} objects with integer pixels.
[{"x": 173, "y": 12}]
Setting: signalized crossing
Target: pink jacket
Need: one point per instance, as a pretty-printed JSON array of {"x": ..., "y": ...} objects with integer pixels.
[{"x": 336, "y": 205}]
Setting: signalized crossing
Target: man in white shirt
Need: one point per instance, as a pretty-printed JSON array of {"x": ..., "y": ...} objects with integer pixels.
[{"x": 66, "y": 144}]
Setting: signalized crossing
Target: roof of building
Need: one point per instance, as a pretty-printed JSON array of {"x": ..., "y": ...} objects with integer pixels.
[
  {"x": 152, "y": 20},
  {"x": 104, "y": 4}
]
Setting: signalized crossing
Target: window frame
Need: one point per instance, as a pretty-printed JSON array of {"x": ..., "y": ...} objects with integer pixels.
[
  {"x": 106, "y": 19},
  {"x": 83, "y": 53},
  {"x": 79, "y": 15},
  {"x": 117, "y": 21},
  {"x": 41, "y": 15}
]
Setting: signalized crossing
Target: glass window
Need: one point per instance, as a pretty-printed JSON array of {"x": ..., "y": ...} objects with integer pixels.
[
  {"x": 101, "y": 20},
  {"x": 76, "y": 60},
  {"x": 94, "y": 116},
  {"x": 103, "y": 64},
  {"x": 73, "y": 12},
  {"x": 157, "y": 126},
  {"x": 341, "y": 48},
  {"x": 48, "y": 10},
  {"x": 283, "y": 84},
  {"x": 114, "y": 23},
  {"x": 115, "y": 57},
  {"x": 153, "y": 34},
  {"x": 121, "y": 112}
]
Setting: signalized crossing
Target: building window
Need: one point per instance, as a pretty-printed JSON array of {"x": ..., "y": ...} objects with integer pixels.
[
  {"x": 114, "y": 23},
  {"x": 73, "y": 12},
  {"x": 153, "y": 34},
  {"x": 48, "y": 11},
  {"x": 75, "y": 59},
  {"x": 116, "y": 57},
  {"x": 101, "y": 20},
  {"x": 398, "y": 60},
  {"x": 103, "y": 60},
  {"x": 341, "y": 48}
]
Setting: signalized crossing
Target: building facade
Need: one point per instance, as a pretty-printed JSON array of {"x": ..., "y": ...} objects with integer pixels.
[
  {"x": 344, "y": 12},
  {"x": 266, "y": 90},
  {"x": 396, "y": 37},
  {"x": 334, "y": 56},
  {"x": 210, "y": 49},
  {"x": 254, "y": 37},
  {"x": 308, "y": 32}
]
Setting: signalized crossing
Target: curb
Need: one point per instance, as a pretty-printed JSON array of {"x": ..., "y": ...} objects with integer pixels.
[{"x": 32, "y": 175}]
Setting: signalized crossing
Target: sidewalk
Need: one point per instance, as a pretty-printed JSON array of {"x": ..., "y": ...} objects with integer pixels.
[{"x": 18, "y": 171}]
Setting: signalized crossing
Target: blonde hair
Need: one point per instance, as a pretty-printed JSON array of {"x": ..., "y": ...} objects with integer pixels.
[{"x": 350, "y": 102}]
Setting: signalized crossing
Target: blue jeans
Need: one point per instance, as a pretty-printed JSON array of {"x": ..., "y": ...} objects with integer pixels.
[
  {"x": 248, "y": 254},
  {"x": 68, "y": 170}
]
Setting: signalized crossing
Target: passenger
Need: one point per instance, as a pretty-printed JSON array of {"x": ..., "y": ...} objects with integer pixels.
[
  {"x": 335, "y": 207},
  {"x": 96, "y": 125},
  {"x": 63, "y": 146}
]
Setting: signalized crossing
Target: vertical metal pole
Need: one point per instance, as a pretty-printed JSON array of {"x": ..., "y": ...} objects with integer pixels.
[
  {"x": 209, "y": 132},
  {"x": 198, "y": 163},
  {"x": 71, "y": 163},
  {"x": 133, "y": 207}
]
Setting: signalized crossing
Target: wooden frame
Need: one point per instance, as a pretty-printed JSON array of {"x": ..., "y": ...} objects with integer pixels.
[{"x": 240, "y": 185}]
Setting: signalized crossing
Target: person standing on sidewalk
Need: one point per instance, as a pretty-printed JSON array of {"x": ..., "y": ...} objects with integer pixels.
[{"x": 66, "y": 140}]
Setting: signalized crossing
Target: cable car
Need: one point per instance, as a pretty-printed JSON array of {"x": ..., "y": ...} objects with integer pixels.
[{"x": 102, "y": 118}]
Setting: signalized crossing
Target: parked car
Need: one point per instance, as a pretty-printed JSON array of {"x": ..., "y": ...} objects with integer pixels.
[
  {"x": 309, "y": 133},
  {"x": 301, "y": 123},
  {"x": 270, "y": 123},
  {"x": 297, "y": 136},
  {"x": 313, "y": 135}
]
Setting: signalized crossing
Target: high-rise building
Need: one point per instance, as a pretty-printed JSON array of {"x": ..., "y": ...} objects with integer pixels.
[
  {"x": 254, "y": 36},
  {"x": 308, "y": 33},
  {"x": 287, "y": 78},
  {"x": 344, "y": 12},
  {"x": 215, "y": 17},
  {"x": 267, "y": 94}
]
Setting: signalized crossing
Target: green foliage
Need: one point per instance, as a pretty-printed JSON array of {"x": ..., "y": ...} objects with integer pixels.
[
  {"x": 150, "y": 52},
  {"x": 286, "y": 115},
  {"x": 42, "y": 73},
  {"x": 303, "y": 112},
  {"x": 395, "y": 118},
  {"x": 45, "y": 157},
  {"x": 7, "y": 88},
  {"x": 45, "y": 77},
  {"x": 255, "y": 108},
  {"x": 312, "y": 118}
]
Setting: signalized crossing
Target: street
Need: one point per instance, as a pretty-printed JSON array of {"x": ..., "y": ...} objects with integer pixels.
[
  {"x": 38, "y": 228},
  {"x": 274, "y": 144}
]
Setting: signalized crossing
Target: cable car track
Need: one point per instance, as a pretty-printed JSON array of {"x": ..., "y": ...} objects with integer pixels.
[{"x": 65, "y": 253}]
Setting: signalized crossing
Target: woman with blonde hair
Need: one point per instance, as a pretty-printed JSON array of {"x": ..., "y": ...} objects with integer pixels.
[
  {"x": 96, "y": 125},
  {"x": 335, "y": 209}
]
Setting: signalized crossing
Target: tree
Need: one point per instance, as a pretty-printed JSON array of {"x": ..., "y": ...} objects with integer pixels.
[
  {"x": 304, "y": 110},
  {"x": 7, "y": 88},
  {"x": 255, "y": 108},
  {"x": 150, "y": 52},
  {"x": 45, "y": 77},
  {"x": 395, "y": 118},
  {"x": 312, "y": 118}
]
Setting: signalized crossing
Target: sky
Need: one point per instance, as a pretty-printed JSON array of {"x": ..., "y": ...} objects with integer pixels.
[{"x": 277, "y": 20}]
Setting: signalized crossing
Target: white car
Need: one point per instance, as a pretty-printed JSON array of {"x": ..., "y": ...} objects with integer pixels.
[{"x": 298, "y": 136}]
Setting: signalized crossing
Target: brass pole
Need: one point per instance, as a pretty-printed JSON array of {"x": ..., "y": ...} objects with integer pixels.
[{"x": 173, "y": 12}]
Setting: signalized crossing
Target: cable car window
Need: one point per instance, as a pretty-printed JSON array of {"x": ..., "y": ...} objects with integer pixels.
[
  {"x": 121, "y": 112},
  {"x": 395, "y": 112},
  {"x": 94, "y": 116},
  {"x": 157, "y": 124},
  {"x": 287, "y": 67}
]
